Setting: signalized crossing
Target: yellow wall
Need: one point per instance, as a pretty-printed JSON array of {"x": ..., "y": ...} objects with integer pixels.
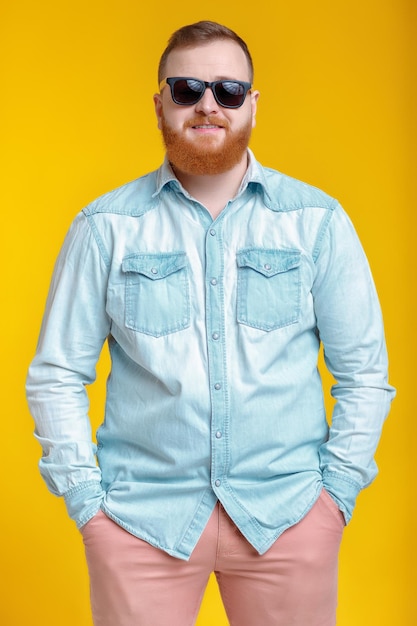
[{"x": 336, "y": 80}]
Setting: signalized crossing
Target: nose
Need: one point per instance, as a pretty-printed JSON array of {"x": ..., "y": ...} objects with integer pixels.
[{"x": 207, "y": 104}]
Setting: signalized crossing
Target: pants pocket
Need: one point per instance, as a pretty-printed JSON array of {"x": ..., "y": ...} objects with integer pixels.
[{"x": 332, "y": 506}]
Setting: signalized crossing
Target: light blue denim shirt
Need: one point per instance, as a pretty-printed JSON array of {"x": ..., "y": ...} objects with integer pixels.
[{"x": 214, "y": 328}]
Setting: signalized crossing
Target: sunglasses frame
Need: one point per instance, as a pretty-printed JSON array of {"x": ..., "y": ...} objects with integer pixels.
[{"x": 172, "y": 80}]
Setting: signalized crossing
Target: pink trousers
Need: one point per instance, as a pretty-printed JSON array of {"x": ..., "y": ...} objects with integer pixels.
[{"x": 293, "y": 584}]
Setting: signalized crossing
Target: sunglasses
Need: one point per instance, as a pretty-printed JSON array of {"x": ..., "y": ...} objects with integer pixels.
[{"x": 230, "y": 94}]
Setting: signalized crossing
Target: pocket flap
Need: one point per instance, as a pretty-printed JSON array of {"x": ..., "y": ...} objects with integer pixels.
[
  {"x": 268, "y": 262},
  {"x": 155, "y": 266}
]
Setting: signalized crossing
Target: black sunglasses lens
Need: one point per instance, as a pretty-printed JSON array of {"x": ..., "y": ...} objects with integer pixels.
[
  {"x": 187, "y": 91},
  {"x": 230, "y": 93}
]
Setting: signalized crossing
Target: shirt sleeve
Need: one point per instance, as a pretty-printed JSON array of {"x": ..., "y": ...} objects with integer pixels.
[
  {"x": 74, "y": 328},
  {"x": 350, "y": 325}
]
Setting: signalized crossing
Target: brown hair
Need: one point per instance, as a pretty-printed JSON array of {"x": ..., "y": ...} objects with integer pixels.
[{"x": 197, "y": 34}]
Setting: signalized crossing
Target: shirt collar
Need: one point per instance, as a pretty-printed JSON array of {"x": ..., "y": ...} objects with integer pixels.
[
  {"x": 253, "y": 178},
  {"x": 164, "y": 176}
]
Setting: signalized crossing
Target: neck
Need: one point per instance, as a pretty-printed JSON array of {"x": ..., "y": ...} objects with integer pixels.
[{"x": 214, "y": 190}]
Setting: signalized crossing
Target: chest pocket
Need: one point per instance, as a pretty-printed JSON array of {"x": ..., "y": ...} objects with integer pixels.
[
  {"x": 157, "y": 293},
  {"x": 268, "y": 289}
]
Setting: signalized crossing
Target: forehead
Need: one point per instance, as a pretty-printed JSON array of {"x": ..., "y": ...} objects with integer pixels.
[{"x": 210, "y": 61}]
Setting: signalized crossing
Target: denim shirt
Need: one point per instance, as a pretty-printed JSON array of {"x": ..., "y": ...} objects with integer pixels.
[{"x": 214, "y": 329}]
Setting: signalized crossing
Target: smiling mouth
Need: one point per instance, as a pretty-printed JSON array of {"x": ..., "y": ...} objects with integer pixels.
[{"x": 207, "y": 126}]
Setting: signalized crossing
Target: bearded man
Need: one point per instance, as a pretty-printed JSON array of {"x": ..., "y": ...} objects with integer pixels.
[{"x": 214, "y": 281}]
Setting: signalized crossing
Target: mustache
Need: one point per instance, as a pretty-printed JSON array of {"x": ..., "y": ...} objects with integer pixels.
[{"x": 212, "y": 120}]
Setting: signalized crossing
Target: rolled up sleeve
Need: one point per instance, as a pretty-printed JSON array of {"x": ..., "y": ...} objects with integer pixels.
[
  {"x": 350, "y": 324},
  {"x": 74, "y": 328}
]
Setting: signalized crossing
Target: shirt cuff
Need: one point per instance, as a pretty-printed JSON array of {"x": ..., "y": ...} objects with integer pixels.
[
  {"x": 343, "y": 491},
  {"x": 83, "y": 501}
]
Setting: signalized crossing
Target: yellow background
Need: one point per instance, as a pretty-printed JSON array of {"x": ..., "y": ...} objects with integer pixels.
[{"x": 337, "y": 84}]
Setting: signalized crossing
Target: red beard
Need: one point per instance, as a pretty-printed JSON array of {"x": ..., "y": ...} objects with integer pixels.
[{"x": 203, "y": 157}]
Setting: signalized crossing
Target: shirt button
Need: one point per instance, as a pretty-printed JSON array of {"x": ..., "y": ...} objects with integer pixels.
[
  {"x": 218, "y": 483},
  {"x": 213, "y": 281},
  {"x": 218, "y": 435},
  {"x": 267, "y": 266},
  {"x": 217, "y": 386},
  {"x": 212, "y": 232},
  {"x": 154, "y": 270},
  {"x": 215, "y": 336}
]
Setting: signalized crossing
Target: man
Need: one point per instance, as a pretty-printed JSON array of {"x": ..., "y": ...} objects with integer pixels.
[{"x": 214, "y": 281}]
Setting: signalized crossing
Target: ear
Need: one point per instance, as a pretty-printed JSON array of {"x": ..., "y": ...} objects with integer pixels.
[
  {"x": 254, "y": 96},
  {"x": 157, "y": 100}
]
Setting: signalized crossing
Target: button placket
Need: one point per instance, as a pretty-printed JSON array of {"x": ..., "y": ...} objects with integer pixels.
[{"x": 216, "y": 353}]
